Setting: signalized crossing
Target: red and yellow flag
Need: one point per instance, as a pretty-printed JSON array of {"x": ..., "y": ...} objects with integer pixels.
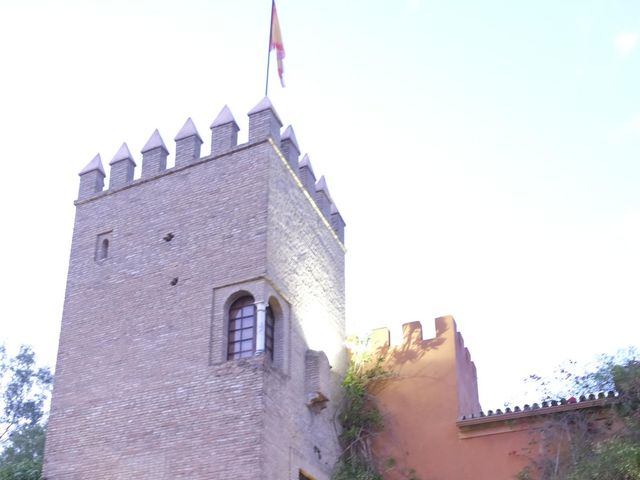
[{"x": 276, "y": 40}]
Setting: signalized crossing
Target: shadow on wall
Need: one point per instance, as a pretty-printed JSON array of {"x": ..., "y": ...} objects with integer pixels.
[{"x": 413, "y": 347}]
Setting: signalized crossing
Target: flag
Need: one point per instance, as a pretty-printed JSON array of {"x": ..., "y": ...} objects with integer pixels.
[{"x": 275, "y": 41}]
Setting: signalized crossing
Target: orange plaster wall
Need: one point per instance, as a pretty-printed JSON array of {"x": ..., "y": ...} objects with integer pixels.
[{"x": 434, "y": 383}]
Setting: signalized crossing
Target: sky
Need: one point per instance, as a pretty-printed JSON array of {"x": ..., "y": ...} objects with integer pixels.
[{"x": 484, "y": 155}]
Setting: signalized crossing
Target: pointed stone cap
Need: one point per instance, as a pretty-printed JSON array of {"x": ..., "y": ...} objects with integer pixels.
[
  {"x": 225, "y": 116},
  {"x": 305, "y": 162},
  {"x": 321, "y": 186},
  {"x": 188, "y": 130},
  {"x": 95, "y": 164},
  {"x": 265, "y": 104},
  {"x": 291, "y": 136},
  {"x": 155, "y": 141},
  {"x": 123, "y": 153},
  {"x": 335, "y": 215}
]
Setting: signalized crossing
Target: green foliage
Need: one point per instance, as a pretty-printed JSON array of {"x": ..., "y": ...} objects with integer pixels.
[
  {"x": 360, "y": 419},
  {"x": 614, "y": 459},
  {"x": 25, "y": 389},
  {"x": 355, "y": 470},
  {"x": 578, "y": 445},
  {"x": 22, "y": 459},
  {"x": 26, "y": 444},
  {"x": 26, "y": 470},
  {"x": 524, "y": 474},
  {"x": 626, "y": 379}
]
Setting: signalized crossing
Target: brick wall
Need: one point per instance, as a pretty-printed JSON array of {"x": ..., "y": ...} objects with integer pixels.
[
  {"x": 307, "y": 261},
  {"x": 142, "y": 388}
]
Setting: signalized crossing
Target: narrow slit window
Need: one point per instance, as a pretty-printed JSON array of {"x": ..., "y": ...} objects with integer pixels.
[
  {"x": 104, "y": 249},
  {"x": 103, "y": 246}
]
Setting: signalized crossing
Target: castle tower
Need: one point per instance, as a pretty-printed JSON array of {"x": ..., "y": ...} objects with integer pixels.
[{"x": 203, "y": 324}]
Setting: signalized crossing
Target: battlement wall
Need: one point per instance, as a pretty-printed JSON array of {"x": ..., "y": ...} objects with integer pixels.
[
  {"x": 264, "y": 125},
  {"x": 433, "y": 423},
  {"x": 444, "y": 355}
]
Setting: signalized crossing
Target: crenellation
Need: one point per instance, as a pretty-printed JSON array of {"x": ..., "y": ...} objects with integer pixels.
[
  {"x": 322, "y": 197},
  {"x": 264, "y": 122},
  {"x": 289, "y": 147},
  {"x": 412, "y": 333},
  {"x": 154, "y": 155},
  {"x": 224, "y": 132},
  {"x": 91, "y": 178},
  {"x": 188, "y": 143},
  {"x": 122, "y": 168},
  {"x": 306, "y": 175},
  {"x": 413, "y": 336},
  {"x": 337, "y": 222},
  {"x": 379, "y": 340}
]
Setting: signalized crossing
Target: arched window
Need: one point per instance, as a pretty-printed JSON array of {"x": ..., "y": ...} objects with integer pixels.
[
  {"x": 104, "y": 249},
  {"x": 247, "y": 321},
  {"x": 242, "y": 322}
]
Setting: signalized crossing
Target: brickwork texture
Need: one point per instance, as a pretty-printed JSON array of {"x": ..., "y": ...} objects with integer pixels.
[{"x": 143, "y": 388}]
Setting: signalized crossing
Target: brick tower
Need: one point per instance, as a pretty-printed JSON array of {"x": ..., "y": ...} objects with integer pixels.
[{"x": 203, "y": 324}]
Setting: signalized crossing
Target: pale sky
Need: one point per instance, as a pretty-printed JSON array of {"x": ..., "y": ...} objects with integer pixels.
[{"x": 485, "y": 155}]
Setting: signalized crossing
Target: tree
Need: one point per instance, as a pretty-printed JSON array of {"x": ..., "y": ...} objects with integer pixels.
[
  {"x": 585, "y": 444},
  {"x": 25, "y": 389}
]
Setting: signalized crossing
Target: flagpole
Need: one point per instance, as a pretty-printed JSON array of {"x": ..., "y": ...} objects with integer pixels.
[{"x": 266, "y": 87}]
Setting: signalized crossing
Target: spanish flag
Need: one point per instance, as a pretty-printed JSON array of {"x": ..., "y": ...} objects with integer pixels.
[{"x": 275, "y": 40}]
